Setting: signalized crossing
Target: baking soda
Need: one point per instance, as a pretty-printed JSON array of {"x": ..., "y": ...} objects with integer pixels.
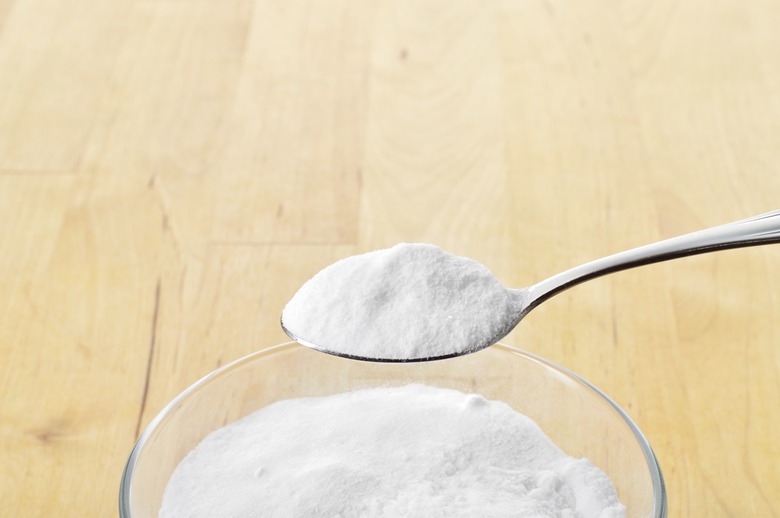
[
  {"x": 412, "y": 451},
  {"x": 412, "y": 301}
]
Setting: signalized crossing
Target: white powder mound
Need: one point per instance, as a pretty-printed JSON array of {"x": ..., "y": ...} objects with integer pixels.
[
  {"x": 406, "y": 452},
  {"x": 412, "y": 301}
]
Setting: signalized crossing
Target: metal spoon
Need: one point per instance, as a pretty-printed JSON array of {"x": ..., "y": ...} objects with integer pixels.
[{"x": 758, "y": 230}]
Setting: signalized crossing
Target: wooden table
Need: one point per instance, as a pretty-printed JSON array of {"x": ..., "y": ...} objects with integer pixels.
[{"x": 172, "y": 171}]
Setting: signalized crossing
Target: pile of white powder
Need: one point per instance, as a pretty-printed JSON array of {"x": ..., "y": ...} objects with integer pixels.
[
  {"x": 406, "y": 452},
  {"x": 412, "y": 301}
]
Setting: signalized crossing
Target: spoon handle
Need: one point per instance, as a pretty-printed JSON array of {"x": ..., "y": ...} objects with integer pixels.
[{"x": 758, "y": 230}]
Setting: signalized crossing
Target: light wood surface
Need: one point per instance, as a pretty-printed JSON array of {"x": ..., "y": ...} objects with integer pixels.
[{"x": 172, "y": 171}]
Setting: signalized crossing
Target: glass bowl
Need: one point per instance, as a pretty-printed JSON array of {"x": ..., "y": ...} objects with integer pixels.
[{"x": 578, "y": 417}]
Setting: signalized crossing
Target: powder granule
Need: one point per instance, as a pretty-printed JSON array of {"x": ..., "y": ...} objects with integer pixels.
[
  {"x": 412, "y": 301},
  {"x": 412, "y": 451}
]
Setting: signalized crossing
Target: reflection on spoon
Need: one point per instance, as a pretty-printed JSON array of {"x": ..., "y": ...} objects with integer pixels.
[{"x": 416, "y": 302}]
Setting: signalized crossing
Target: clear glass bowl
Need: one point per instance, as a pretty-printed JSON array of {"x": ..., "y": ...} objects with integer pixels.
[{"x": 577, "y": 416}]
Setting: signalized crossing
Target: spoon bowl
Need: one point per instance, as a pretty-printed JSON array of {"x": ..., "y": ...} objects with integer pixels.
[{"x": 758, "y": 230}]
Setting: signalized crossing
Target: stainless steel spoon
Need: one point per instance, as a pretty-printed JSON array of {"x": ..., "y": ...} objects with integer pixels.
[{"x": 758, "y": 230}]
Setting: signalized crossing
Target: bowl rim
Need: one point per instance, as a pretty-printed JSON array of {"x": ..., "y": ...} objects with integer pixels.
[{"x": 659, "y": 486}]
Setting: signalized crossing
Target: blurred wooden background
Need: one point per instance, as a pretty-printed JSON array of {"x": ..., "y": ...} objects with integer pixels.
[{"x": 172, "y": 171}]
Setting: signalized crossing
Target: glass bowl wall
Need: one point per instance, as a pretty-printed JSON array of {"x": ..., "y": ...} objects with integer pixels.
[{"x": 579, "y": 418}]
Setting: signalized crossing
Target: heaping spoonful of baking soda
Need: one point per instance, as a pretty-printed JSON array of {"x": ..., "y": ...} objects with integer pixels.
[{"x": 416, "y": 302}]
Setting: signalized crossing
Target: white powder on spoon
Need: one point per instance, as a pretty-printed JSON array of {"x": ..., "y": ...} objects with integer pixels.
[
  {"x": 412, "y": 301},
  {"x": 413, "y": 451}
]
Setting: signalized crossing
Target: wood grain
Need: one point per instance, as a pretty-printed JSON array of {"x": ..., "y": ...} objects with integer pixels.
[{"x": 171, "y": 172}]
